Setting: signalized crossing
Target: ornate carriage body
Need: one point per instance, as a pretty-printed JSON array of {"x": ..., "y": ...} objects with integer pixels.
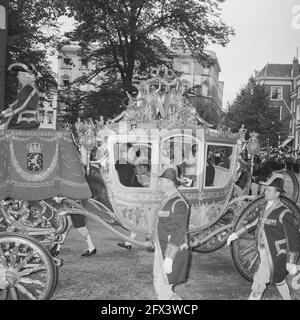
[{"x": 135, "y": 207}]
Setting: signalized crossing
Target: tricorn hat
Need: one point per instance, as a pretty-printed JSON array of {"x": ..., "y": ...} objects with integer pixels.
[
  {"x": 170, "y": 172},
  {"x": 23, "y": 68},
  {"x": 276, "y": 180}
]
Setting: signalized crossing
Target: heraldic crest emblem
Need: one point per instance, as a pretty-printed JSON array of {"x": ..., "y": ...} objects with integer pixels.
[{"x": 34, "y": 157}]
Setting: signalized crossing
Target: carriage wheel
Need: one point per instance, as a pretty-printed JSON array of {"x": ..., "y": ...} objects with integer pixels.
[
  {"x": 219, "y": 239},
  {"x": 29, "y": 268},
  {"x": 244, "y": 250}
]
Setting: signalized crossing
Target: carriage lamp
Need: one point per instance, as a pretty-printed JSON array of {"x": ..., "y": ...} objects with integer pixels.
[
  {"x": 253, "y": 145},
  {"x": 89, "y": 141}
]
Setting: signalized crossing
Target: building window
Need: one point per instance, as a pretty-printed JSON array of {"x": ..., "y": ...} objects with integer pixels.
[
  {"x": 298, "y": 92},
  {"x": 276, "y": 93},
  {"x": 84, "y": 63},
  {"x": 206, "y": 71},
  {"x": 41, "y": 115},
  {"x": 205, "y": 86},
  {"x": 198, "y": 69},
  {"x": 66, "y": 81},
  {"x": 50, "y": 117},
  {"x": 67, "y": 62},
  {"x": 185, "y": 67}
]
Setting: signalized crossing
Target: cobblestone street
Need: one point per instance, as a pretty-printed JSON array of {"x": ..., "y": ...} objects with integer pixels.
[{"x": 116, "y": 273}]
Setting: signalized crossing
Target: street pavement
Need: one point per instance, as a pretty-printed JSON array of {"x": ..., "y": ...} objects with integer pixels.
[{"x": 115, "y": 273}]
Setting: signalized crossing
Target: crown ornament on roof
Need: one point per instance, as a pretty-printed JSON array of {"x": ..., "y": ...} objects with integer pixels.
[{"x": 34, "y": 147}]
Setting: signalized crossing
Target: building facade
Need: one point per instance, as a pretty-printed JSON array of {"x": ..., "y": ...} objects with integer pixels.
[
  {"x": 204, "y": 80},
  {"x": 282, "y": 81}
]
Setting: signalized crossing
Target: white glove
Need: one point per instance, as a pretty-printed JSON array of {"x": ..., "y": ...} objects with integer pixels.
[
  {"x": 168, "y": 265},
  {"x": 231, "y": 238},
  {"x": 291, "y": 268}
]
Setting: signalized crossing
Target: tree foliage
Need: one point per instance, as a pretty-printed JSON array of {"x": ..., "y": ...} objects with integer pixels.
[
  {"x": 252, "y": 108},
  {"x": 30, "y": 33},
  {"x": 106, "y": 102},
  {"x": 127, "y": 35}
]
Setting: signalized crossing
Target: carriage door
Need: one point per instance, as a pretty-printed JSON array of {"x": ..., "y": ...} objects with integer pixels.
[
  {"x": 185, "y": 151},
  {"x": 217, "y": 184}
]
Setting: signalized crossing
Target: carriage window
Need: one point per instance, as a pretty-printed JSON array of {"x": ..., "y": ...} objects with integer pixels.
[
  {"x": 218, "y": 159},
  {"x": 182, "y": 151},
  {"x": 133, "y": 164}
]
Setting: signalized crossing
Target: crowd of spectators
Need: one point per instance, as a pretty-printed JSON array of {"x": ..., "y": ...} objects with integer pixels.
[{"x": 268, "y": 161}]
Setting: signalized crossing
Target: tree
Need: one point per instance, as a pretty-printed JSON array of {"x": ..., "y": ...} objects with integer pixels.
[
  {"x": 30, "y": 26},
  {"x": 252, "y": 108},
  {"x": 106, "y": 102},
  {"x": 127, "y": 35}
]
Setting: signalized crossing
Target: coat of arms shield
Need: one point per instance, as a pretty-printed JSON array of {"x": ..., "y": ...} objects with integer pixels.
[{"x": 34, "y": 157}]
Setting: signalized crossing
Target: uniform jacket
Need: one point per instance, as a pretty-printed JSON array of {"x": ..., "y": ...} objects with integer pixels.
[
  {"x": 278, "y": 233},
  {"x": 26, "y": 109},
  {"x": 171, "y": 239}
]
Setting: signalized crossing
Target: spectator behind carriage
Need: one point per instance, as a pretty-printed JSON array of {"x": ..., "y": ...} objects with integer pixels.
[
  {"x": 191, "y": 163},
  {"x": 23, "y": 112}
]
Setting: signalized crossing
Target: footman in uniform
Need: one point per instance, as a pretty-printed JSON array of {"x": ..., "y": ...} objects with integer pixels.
[
  {"x": 172, "y": 254},
  {"x": 277, "y": 241},
  {"x": 23, "y": 112}
]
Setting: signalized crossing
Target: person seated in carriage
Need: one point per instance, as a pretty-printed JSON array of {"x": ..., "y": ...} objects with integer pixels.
[
  {"x": 125, "y": 167},
  {"x": 143, "y": 172},
  {"x": 23, "y": 112},
  {"x": 210, "y": 174},
  {"x": 191, "y": 163}
]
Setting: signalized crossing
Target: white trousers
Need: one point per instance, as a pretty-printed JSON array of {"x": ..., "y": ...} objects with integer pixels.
[{"x": 164, "y": 291}]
